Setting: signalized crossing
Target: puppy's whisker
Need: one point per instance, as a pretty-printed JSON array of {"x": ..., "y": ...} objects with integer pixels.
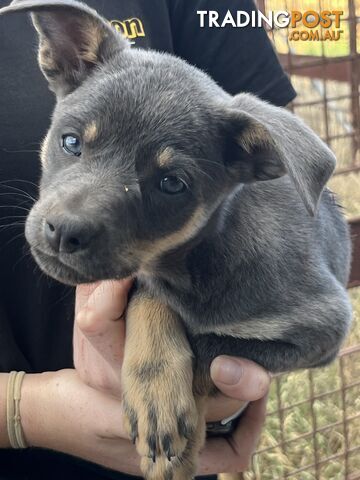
[
  {"x": 20, "y": 151},
  {"x": 211, "y": 162},
  {"x": 25, "y": 255},
  {"x": 13, "y": 219},
  {"x": 16, "y": 215},
  {"x": 201, "y": 172},
  {"x": 12, "y": 225},
  {"x": 20, "y": 180},
  {"x": 20, "y": 191},
  {"x": 22, "y": 223},
  {"x": 12, "y": 240},
  {"x": 18, "y": 207},
  {"x": 14, "y": 194},
  {"x": 65, "y": 296}
]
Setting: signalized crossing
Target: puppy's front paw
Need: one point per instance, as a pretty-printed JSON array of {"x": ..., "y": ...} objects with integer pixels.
[{"x": 161, "y": 416}]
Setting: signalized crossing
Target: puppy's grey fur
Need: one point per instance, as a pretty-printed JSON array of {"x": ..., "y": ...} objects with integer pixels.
[{"x": 253, "y": 256}]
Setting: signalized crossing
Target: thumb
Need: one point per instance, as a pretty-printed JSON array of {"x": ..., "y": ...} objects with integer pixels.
[
  {"x": 83, "y": 293},
  {"x": 99, "y": 321},
  {"x": 99, "y": 333},
  {"x": 239, "y": 378},
  {"x": 98, "y": 306}
]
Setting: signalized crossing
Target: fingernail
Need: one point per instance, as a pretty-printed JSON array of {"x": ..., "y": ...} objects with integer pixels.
[{"x": 226, "y": 370}]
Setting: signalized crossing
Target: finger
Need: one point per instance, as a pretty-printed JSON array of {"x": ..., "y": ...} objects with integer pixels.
[
  {"x": 239, "y": 378},
  {"x": 99, "y": 334},
  {"x": 246, "y": 436},
  {"x": 83, "y": 293},
  {"x": 220, "y": 407},
  {"x": 105, "y": 304},
  {"x": 233, "y": 454}
]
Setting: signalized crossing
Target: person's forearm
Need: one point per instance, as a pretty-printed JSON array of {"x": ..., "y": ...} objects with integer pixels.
[{"x": 59, "y": 412}]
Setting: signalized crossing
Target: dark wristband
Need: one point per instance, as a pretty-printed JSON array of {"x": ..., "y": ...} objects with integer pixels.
[{"x": 226, "y": 426}]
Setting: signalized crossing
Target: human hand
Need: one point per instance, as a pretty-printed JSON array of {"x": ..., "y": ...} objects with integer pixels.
[
  {"x": 239, "y": 380},
  {"x": 60, "y": 412},
  {"x": 99, "y": 333},
  {"x": 99, "y": 337}
]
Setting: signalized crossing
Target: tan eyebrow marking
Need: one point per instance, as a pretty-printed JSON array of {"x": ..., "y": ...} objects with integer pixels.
[
  {"x": 164, "y": 158},
  {"x": 90, "y": 132}
]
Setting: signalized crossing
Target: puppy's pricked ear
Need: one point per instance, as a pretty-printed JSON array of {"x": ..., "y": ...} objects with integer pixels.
[
  {"x": 73, "y": 39},
  {"x": 265, "y": 142}
]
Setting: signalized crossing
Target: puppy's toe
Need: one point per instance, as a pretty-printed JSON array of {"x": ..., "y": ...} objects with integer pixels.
[
  {"x": 130, "y": 422},
  {"x": 161, "y": 426}
]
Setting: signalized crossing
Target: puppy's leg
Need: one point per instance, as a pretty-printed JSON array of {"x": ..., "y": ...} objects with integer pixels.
[
  {"x": 310, "y": 336},
  {"x": 160, "y": 409}
]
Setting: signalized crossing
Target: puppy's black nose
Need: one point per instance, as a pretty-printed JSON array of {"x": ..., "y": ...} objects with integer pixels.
[{"x": 67, "y": 236}]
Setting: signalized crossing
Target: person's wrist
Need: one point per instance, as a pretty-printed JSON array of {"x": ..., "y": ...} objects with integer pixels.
[{"x": 35, "y": 410}]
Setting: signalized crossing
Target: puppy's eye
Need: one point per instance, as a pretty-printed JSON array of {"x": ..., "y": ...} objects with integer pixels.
[
  {"x": 71, "y": 145},
  {"x": 172, "y": 185}
]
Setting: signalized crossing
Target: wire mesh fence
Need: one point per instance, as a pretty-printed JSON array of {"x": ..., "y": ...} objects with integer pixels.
[
  {"x": 326, "y": 75},
  {"x": 312, "y": 430}
]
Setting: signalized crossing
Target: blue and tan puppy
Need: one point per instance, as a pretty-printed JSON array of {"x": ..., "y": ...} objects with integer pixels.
[{"x": 216, "y": 204}]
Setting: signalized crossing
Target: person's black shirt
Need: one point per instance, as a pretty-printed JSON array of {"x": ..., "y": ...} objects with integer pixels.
[{"x": 36, "y": 313}]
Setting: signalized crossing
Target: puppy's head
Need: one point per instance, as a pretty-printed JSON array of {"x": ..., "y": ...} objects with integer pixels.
[{"x": 141, "y": 151}]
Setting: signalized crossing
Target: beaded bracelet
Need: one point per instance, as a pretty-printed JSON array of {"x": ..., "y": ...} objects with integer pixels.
[{"x": 13, "y": 418}]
